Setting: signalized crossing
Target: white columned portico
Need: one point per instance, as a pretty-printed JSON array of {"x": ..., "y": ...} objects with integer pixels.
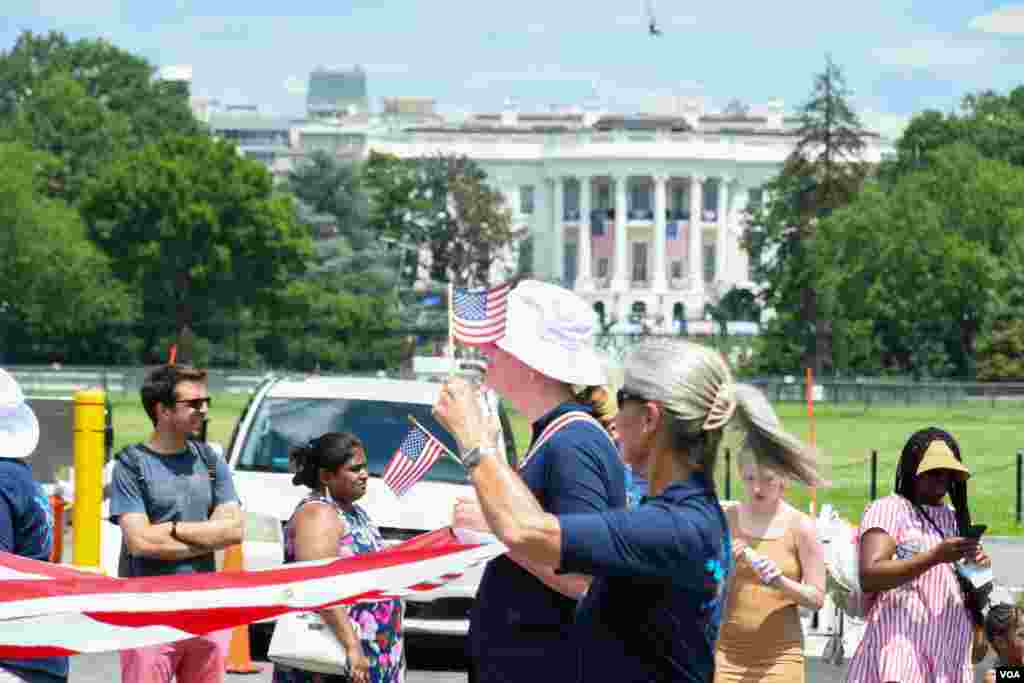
[
  {"x": 558, "y": 184},
  {"x": 659, "y": 282},
  {"x": 740, "y": 264},
  {"x": 696, "y": 239},
  {"x": 542, "y": 229},
  {"x": 721, "y": 234},
  {"x": 585, "y": 274},
  {"x": 620, "y": 279}
]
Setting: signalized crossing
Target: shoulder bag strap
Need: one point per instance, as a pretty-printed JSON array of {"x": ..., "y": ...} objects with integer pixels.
[{"x": 557, "y": 424}]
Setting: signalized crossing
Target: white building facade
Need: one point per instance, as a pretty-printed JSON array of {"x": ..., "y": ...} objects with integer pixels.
[{"x": 643, "y": 216}]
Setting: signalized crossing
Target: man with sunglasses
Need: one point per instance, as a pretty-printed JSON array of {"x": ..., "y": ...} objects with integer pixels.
[{"x": 175, "y": 502}]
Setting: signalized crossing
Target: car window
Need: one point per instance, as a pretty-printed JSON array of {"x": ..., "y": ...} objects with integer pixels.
[{"x": 282, "y": 424}]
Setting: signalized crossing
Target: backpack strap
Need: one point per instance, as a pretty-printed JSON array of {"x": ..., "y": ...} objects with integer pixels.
[
  {"x": 556, "y": 425},
  {"x": 209, "y": 459}
]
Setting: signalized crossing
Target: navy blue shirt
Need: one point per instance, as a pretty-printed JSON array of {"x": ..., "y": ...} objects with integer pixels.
[
  {"x": 661, "y": 569},
  {"x": 26, "y": 529},
  {"x": 519, "y": 628}
]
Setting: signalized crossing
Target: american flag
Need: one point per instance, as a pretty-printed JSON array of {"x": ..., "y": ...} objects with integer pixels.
[
  {"x": 478, "y": 316},
  {"x": 48, "y": 609},
  {"x": 417, "y": 453}
]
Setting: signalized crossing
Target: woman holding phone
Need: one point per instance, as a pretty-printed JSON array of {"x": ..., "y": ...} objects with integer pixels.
[{"x": 921, "y": 617}]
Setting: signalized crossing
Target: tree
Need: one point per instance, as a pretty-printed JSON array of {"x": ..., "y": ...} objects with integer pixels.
[
  {"x": 444, "y": 204},
  {"x": 84, "y": 102},
  {"x": 332, "y": 188},
  {"x": 824, "y": 171},
  {"x": 57, "y": 297},
  {"x": 1001, "y": 353},
  {"x": 198, "y": 230},
  {"x": 921, "y": 264}
]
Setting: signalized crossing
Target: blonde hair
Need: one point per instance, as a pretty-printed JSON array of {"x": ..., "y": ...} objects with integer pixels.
[{"x": 697, "y": 389}]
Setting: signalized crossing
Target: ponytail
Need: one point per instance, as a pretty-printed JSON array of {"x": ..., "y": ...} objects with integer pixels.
[
  {"x": 306, "y": 465},
  {"x": 771, "y": 445},
  {"x": 326, "y": 452},
  {"x": 600, "y": 403}
]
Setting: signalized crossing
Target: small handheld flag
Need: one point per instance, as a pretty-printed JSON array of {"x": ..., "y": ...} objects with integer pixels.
[
  {"x": 478, "y": 316},
  {"x": 417, "y": 453}
]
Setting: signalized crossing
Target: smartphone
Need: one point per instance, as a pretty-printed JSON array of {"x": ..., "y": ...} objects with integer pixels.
[{"x": 975, "y": 531}]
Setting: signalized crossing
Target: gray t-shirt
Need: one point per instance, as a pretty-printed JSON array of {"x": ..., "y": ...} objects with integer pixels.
[{"x": 167, "y": 488}]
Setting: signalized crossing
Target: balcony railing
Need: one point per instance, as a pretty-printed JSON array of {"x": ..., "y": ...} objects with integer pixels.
[
  {"x": 710, "y": 215},
  {"x": 571, "y": 215},
  {"x": 677, "y": 214},
  {"x": 640, "y": 215}
]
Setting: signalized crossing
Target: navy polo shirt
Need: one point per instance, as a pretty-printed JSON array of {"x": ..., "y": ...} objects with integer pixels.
[
  {"x": 661, "y": 569},
  {"x": 516, "y": 619}
]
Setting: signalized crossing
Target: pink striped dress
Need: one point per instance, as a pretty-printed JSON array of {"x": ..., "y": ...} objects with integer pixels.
[{"x": 919, "y": 632}]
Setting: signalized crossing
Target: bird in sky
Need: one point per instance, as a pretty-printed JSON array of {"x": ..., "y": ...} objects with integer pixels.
[{"x": 652, "y": 22}]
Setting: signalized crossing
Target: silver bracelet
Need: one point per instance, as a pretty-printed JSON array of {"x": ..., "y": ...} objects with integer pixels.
[{"x": 471, "y": 458}]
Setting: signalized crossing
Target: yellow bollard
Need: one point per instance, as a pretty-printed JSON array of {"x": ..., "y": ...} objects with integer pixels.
[{"x": 89, "y": 450}]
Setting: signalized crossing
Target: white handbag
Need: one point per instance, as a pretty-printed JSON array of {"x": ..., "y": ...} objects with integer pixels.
[{"x": 303, "y": 641}]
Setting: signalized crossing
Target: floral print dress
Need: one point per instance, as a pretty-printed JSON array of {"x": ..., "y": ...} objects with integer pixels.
[{"x": 379, "y": 624}]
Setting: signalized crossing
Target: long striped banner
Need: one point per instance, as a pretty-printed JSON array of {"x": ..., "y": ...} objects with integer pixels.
[{"x": 48, "y": 609}]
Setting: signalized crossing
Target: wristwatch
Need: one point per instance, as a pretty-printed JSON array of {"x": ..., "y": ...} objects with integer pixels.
[
  {"x": 472, "y": 457},
  {"x": 174, "y": 530}
]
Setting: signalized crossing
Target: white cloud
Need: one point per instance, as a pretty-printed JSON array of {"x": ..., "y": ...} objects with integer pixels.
[
  {"x": 1008, "y": 19},
  {"x": 937, "y": 53}
]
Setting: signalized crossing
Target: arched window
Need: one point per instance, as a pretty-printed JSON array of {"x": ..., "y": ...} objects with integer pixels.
[
  {"x": 599, "y": 309},
  {"x": 638, "y": 311},
  {"x": 678, "y": 312}
]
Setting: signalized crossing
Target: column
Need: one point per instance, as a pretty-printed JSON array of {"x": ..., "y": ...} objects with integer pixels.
[
  {"x": 620, "y": 278},
  {"x": 659, "y": 282},
  {"x": 721, "y": 235},
  {"x": 585, "y": 279},
  {"x": 558, "y": 184},
  {"x": 738, "y": 257},
  {"x": 542, "y": 230},
  {"x": 696, "y": 270}
]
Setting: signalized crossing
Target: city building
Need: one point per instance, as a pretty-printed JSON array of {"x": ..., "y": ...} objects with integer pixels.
[
  {"x": 643, "y": 215},
  {"x": 337, "y": 93}
]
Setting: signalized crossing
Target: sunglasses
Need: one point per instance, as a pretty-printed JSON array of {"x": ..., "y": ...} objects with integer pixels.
[
  {"x": 623, "y": 395},
  {"x": 196, "y": 403}
]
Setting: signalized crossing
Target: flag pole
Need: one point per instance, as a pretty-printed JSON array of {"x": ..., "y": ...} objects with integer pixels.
[
  {"x": 811, "y": 436},
  {"x": 451, "y": 329},
  {"x": 440, "y": 443}
]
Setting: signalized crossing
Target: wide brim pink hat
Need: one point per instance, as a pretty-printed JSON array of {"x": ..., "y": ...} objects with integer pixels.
[
  {"x": 19, "y": 427},
  {"x": 551, "y": 330}
]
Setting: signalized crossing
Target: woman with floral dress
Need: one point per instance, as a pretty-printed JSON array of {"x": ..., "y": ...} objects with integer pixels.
[{"x": 328, "y": 524}]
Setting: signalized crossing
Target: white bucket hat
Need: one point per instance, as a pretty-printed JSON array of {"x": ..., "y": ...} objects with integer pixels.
[
  {"x": 551, "y": 330},
  {"x": 19, "y": 428}
]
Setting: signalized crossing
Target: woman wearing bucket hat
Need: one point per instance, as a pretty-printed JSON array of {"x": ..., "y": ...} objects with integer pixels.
[
  {"x": 921, "y": 615},
  {"x": 522, "y": 618},
  {"x": 661, "y": 568},
  {"x": 26, "y": 524}
]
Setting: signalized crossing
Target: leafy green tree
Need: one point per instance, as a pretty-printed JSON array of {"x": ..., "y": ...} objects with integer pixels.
[
  {"x": 332, "y": 188},
  {"x": 824, "y": 171},
  {"x": 442, "y": 203},
  {"x": 1001, "y": 353},
  {"x": 84, "y": 102},
  {"x": 923, "y": 263},
  {"x": 196, "y": 229},
  {"x": 57, "y": 296}
]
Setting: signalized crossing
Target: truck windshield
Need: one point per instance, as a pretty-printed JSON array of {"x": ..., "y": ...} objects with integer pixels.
[{"x": 283, "y": 424}]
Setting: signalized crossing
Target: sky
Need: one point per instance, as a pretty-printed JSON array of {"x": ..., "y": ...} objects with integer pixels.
[{"x": 899, "y": 56}]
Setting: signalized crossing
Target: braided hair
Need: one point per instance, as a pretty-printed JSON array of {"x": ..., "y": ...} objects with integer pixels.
[
  {"x": 906, "y": 484},
  {"x": 326, "y": 452},
  {"x": 600, "y": 403}
]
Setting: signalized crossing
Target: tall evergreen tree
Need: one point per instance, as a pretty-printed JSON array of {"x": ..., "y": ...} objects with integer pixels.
[{"x": 825, "y": 171}]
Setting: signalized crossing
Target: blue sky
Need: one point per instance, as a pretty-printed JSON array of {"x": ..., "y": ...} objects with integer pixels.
[{"x": 900, "y": 56}]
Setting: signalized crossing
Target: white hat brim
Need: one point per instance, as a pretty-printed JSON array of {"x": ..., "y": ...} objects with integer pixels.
[
  {"x": 19, "y": 431},
  {"x": 580, "y": 366}
]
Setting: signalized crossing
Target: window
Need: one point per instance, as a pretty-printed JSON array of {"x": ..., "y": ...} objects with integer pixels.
[
  {"x": 571, "y": 201},
  {"x": 526, "y": 199},
  {"x": 677, "y": 269},
  {"x": 672, "y": 230},
  {"x": 638, "y": 311},
  {"x": 679, "y": 201},
  {"x": 604, "y": 197},
  {"x": 709, "y": 263},
  {"x": 602, "y": 267},
  {"x": 639, "y": 262},
  {"x": 709, "y": 204},
  {"x": 597, "y": 221},
  {"x": 754, "y": 198},
  {"x": 569, "y": 265}
]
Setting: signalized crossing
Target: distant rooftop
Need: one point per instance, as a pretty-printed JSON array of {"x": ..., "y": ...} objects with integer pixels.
[{"x": 337, "y": 92}]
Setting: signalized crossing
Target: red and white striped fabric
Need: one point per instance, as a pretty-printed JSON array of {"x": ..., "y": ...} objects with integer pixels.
[
  {"x": 554, "y": 426},
  {"x": 920, "y": 632},
  {"x": 48, "y": 609},
  {"x": 478, "y": 316}
]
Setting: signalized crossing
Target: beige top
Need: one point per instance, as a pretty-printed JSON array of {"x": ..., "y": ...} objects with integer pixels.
[{"x": 762, "y": 622}]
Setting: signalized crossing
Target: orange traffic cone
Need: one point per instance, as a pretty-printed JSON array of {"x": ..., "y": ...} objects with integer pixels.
[
  {"x": 57, "y": 507},
  {"x": 239, "y": 660}
]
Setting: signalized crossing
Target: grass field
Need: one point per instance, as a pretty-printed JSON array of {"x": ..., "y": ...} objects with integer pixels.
[{"x": 989, "y": 439}]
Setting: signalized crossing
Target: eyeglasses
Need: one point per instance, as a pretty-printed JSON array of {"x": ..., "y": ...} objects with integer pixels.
[
  {"x": 623, "y": 395},
  {"x": 196, "y": 403}
]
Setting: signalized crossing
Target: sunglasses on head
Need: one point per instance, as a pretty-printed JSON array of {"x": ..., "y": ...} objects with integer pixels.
[
  {"x": 623, "y": 395},
  {"x": 195, "y": 403}
]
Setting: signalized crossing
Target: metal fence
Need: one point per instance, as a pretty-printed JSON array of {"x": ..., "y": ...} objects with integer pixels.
[{"x": 868, "y": 392}]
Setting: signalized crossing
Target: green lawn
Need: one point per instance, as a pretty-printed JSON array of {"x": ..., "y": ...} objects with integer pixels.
[{"x": 989, "y": 438}]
